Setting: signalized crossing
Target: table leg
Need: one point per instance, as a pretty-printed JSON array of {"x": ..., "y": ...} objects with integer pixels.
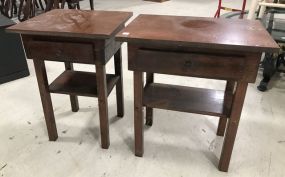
[
  {"x": 138, "y": 112},
  {"x": 73, "y": 98},
  {"x": 119, "y": 85},
  {"x": 40, "y": 70},
  {"x": 149, "y": 110},
  {"x": 103, "y": 105},
  {"x": 238, "y": 100},
  {"x": 92, "y": 4},
  {"x": 228, "y": 98}
]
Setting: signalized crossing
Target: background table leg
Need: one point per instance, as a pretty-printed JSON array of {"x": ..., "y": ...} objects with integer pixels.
[
  {"x": 228, "y": 98},
  {"x": 119, "y": 85},
  {"x": 149, "y": 110},
  {"x": 138, "y": 112},
  {"x": 73, "y": 98},
  {"x": 232, "y": 127},
  {"x": 40, "y": 70},
  {"x": 103, "y": 105}
]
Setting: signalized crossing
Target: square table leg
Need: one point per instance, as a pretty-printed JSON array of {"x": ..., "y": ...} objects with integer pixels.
[
  {"x": 73, "y": 98},
  {"x": 138, "y": 112},
  {"x": 103, "y": 105},
  {"x": 40, "y": 70},
  {"x": 232, "y": 127},
  {"x": 119, "y": 85},
  {"x": 227, "y": 107},
  {"x": 149, "y": 110}
]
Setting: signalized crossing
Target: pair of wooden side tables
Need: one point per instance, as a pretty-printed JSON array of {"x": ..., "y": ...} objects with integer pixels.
[{"x": 187, "y": 46}]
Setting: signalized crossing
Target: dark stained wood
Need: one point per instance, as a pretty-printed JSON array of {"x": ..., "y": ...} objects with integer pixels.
[
  {"x": 222, "y": 125},
  {"x": 138, "y": 113},
  {"x": 40, "y": 70},
  {"x": 119, "y": 85},
  {"x": 76, "y": 36},
  {"x": 74, "y": 23},
  {"x": 232, "y": 127},
  {"x": 188, "y": 64},
  {"x": 73, "y": 98},
  {"x": 61, "y": 51},
  {"x": 80, "y": 83},
  {"x": 103, "y": 105},
  {"x": 70, "y": 49},
  {"x": 185, "y": 99},
  {"x": 226, "y": 49},
  {"x": 228, "y": 98},
  {"x": 149, "y": 110},
  {"x": 199, "y": 32}
]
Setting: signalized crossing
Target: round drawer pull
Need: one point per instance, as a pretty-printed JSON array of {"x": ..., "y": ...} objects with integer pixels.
[{"x": 188, "y": 63}]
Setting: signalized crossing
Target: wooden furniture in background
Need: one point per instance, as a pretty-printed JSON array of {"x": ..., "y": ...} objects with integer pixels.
[
  {"x": 223, "y": 49},
  {"x": 25, "y": 9},
  {"x": 72, "y": 36}
]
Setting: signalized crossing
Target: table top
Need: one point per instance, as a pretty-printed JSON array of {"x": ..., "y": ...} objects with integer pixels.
[
  {"x": 201, "y": 32},
  {"x": 74, "y": 23}
]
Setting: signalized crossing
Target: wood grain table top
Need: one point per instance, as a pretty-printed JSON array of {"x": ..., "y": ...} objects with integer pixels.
[
  {"x": 74, "y": 23},
  {"x": 201, "y": 32}
]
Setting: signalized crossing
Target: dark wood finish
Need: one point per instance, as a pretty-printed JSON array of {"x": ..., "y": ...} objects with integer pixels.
[
  {"x": 228, "y": 98},
  {"x": 74, "y": 23},
  {"x": 119, "y": 85},
  {"x": 138, "y": 112},
  {"x": 74, "y": 50},
  {"x": 103, "y": 105},
  {"x": 176, "y": 98},
  {"x": 40, "y": 70},
  {"x": 91, "y": 4},
  {"x": 149, "y": 110},
  {"x": 224, "y": 49},
  {"x": 80, "y": 83},
  {"x": 199, "y": 32},
  {"x": 232, "y": 127},
  {"x": 211, "y": 65},
  {"x": 73, "y": 36},
  {"x": 61, "y": 51},
  {"x": 73, "y": 98}
]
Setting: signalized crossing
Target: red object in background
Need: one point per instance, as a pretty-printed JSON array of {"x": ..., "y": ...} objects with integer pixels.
[{"x": 220, "y": 7}]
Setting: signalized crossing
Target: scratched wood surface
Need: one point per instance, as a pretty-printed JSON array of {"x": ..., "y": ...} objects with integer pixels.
[
  {"x": 229, "y": 34},
  {"x": 74, "y": 23}
]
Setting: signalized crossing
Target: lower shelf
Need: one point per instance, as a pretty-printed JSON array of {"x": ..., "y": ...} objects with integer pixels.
[
  {"x": 80, "y": 83},
  {"x": 184, "y": 99}
]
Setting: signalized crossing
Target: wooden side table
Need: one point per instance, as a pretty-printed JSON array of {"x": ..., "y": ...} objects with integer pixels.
[
  {"x": 223, "y": 49},
  {"x": 73, "y": 36}
]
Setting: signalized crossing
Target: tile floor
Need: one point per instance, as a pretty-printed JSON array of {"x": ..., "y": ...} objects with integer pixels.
[{"x": 178, "y": 144}]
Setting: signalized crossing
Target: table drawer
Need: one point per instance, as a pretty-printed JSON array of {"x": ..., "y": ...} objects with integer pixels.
[
  {"x": 187, "y": 64},
  {"x": 60, "y": 51}
]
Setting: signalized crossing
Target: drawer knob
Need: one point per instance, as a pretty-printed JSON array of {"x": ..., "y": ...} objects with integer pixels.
[{"x": 188, "y": 63}]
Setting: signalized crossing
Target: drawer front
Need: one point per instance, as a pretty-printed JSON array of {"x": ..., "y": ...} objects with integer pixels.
[
  {"x": 187, "y": 64},
  {"x": 60, "y": 51}
]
